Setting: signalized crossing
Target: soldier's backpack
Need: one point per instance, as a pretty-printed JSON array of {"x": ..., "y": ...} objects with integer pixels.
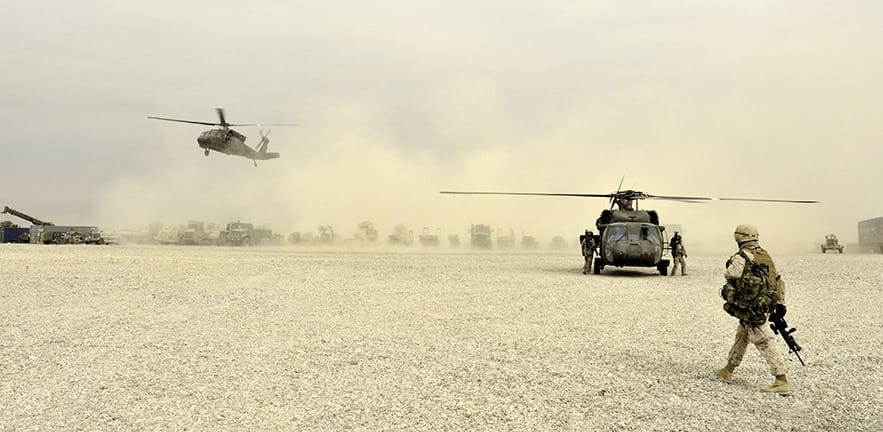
[{"x": 752, "y": 296}]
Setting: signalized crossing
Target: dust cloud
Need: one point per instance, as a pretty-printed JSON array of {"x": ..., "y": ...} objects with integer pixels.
[
  {"x": 358, "y": 168},
  {"x": 398, "y": 101}
]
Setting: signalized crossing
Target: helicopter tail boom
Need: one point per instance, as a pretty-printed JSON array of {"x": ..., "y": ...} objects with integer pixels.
[{"x": 265, "y": 155}]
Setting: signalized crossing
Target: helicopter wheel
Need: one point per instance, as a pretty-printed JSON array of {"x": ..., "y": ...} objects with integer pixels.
[{"x": 206, "y": 152}]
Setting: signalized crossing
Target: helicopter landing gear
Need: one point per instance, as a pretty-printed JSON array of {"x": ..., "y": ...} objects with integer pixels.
[
  {"x": 663, "y": 267},
  {"x": 206, "y": 152},
  {"x": 598, "y": 266}
]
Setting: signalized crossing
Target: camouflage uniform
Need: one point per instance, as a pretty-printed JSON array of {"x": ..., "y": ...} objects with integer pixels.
[
  {"x": 752, "y": 326},
  {"x": 588, "y": 245},
  {"x": 678, "y": 253}
]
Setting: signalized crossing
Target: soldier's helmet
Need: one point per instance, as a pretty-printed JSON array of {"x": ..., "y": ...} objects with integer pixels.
[
  {"x": 744, "y": 233},
  {"x": 589, "y": 232}
]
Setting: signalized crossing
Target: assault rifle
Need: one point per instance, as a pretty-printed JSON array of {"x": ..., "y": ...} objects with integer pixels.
[{"x": 780, "y": 327}]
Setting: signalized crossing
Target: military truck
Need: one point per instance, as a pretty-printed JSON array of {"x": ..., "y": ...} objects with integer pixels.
[
  {"x": 366, "y": 232},
  {"x": 504, "y": 241},
  {"x": 831, "y": 243},
  {"x": 212, "y": 234},
  {"x": 237, "y": 234},
  {"x": 529, "y": 242},
  {"x": 169, "y": 234},
  {"x": 49, "y": 233},
  {"x": 401, "y": 235},
  {"x": 193, "y": 234},
  {"x": 480, "y": 236},
  {"x": 558, "y": 243},
  {"x": 429, "y": 239},
  {"x": 326, "y": 234},
  {"x": 262, "y": 235}
]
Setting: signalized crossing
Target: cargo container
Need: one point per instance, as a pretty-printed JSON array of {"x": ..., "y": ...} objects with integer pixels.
[{"x": 15, "y": 235}]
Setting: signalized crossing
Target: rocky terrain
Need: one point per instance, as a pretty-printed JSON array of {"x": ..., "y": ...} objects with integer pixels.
[{"x": 175, "y": 338}]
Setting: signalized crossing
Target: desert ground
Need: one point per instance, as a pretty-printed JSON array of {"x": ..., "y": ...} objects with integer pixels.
[{"x": 210, "y": 338}]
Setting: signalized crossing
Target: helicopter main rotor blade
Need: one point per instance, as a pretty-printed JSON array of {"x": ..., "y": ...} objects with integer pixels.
[
  {"x": 184, "y": 121},
  {"x": 768, "y": 200},
  {"x": 262, "y": 124},
  {"x": 528, "y": 193},
  {"x": 632, "y": 196},
  {"x": 688, "y": 199}
]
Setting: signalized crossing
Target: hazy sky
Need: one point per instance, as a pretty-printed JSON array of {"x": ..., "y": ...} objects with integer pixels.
[{"x": 397, "y": 100}]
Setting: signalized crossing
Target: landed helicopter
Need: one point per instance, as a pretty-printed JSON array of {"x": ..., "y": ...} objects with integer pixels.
[
  {"x": 228, "y": 141},
  {"x": 629, "y": 236}
]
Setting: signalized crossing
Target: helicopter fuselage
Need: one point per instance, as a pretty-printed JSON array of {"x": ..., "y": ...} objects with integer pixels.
[
  {"x": 637, "y": 244},
  {"x": 631, "y": 238},
  {"x": 226, "y": 141},
  {"x": 230, "y": 142}
]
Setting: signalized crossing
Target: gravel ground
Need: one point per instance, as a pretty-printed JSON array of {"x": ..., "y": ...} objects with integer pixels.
[{"x": 174, "y": 338}]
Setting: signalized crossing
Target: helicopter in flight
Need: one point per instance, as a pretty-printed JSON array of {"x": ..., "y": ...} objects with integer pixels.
[
  {"x": 630, "y": 236},
  {"x": 228, "y": 141}
]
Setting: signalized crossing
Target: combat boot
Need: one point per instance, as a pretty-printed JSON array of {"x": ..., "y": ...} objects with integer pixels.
[
  {"x": 780, "y": 386},
  {"x": 726, "y": 373}
]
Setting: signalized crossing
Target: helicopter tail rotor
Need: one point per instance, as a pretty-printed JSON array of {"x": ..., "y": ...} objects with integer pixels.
[{"x": 261, "y": 147}]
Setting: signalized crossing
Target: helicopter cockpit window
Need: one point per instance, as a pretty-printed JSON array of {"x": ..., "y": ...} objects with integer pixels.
[
  {"x": 650, "y": 234},
  {"x": 617, "y": 233}
]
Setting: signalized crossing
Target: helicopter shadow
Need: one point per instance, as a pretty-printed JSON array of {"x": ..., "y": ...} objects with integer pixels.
[
  {"x": 604, "y": 273},
  {"x": 627, "y": 273}
]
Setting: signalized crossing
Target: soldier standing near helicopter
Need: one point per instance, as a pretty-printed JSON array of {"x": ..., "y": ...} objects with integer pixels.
[
  {"x": 678, "y": 253},
  {"x": 751, "y": 270},
  {"x": 588, "y": 245}
]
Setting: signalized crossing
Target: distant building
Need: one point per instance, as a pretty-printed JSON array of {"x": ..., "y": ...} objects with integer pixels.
[{"x": 870, "y": 235}]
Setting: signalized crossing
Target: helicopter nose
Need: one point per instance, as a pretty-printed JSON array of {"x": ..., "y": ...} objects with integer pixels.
[{"x": 202, "y": 140}]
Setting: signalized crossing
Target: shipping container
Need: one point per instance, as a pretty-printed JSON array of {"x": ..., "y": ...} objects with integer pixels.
[{"x": 15, "y": 235}]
